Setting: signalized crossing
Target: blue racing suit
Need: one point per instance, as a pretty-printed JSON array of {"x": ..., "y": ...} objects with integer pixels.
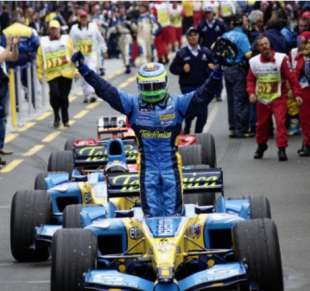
[{"x": 156, "y": 128}]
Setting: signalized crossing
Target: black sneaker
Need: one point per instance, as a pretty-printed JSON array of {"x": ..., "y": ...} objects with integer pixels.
[
  {"x": 66, "y": 124},
  {"x": 301, "y": 149},
  {"x": 260, "y": 151},
  {"x": 128, "y": 70},
  {"x": 282, "y": 155},
  {"x": 249, "y": 134},
  {"x": 92, "y": 99},
  {"x": 56, "y": 124}
]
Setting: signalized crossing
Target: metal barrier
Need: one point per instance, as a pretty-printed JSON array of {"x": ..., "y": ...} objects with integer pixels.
[{"x": 28, "y": 96}]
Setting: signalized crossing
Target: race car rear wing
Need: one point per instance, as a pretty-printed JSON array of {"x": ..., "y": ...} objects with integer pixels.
[
  {"x": 196, "y": 179},
  {"x": 96, "y": 156},
  {"x": 111, "y": 125}
]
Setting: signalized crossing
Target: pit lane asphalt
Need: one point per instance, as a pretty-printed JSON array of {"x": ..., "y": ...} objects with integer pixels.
[{"x": 287, "y": 185}]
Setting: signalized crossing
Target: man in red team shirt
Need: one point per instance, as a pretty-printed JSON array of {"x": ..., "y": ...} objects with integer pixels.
[{"x": 266, "y": 85}]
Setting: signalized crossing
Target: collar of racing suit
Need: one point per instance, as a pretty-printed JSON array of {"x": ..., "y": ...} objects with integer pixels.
[{"x": 162, "y": 103}]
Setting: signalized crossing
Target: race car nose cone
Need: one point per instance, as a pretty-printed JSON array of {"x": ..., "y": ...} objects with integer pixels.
[{"x": 165, "y": 275}]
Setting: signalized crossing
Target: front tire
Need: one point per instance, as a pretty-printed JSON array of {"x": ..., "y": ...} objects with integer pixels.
[
  {"x": 28, "y": 210},
  {"x": 256, "y": 244},
  {"x": 73, "y": 253},
  {"x": 259, "y": 207}
]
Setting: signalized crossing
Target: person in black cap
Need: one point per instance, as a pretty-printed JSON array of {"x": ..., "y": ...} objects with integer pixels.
[
  {"x": 192, "y": 64},
  {"x": 210, "y": 29}
]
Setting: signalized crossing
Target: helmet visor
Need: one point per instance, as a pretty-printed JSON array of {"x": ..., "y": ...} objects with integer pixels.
[
  {"x": 152, "y": 86},
  {"x": 153, "y": 92}
]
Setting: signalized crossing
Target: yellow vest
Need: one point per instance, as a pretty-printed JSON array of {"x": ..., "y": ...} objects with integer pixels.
[
  {"x": 176, "y": 20},
  {"x": 268, "y": 77},
  {"x": 188, "y": 8},
  {"x": 163, "y": 16},
  {"x": 54, "y": 58},
  {"x": 18, "y": 30}
]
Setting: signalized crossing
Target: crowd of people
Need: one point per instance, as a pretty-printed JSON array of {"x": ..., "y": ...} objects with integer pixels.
[{"x": 268, "y": 75}]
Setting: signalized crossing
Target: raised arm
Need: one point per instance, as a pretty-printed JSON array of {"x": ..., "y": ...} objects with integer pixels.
[
  {"x": 191, "y": 102},
  {"x": 119, "y": 100}
]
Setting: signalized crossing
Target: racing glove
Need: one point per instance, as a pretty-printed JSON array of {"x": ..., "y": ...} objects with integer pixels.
[{"x": 78, "y": 60}]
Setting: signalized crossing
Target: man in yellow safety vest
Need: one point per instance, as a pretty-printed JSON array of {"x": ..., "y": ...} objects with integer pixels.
[{"x": 54, "y": 65}]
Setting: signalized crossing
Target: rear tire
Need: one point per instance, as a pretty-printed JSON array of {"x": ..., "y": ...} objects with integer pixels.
[
  {"x": 208, "y": 152},
  {"x": 28, "y": 210},
  {"x": 39, "y": 182},
  {"x": 191, "y": 155},
  {"x": 61, "y": 161},
  {"x": 72, "y": 218},
  {"x": 202, "y": 199},
  {"x": 69, "y": 145},
  {"x": 259, "y": 207},
  {"x": 256, "y": 244},
  {"x": 73, "y": 253}
]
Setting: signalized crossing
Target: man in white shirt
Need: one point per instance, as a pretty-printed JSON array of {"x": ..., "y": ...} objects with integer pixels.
[{"x": 87, "y": 38}]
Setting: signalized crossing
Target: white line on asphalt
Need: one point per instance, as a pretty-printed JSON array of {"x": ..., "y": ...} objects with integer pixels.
[
  {"x": 5, "y": 206},
  {"x": 211, "y": 117},
  {"x": 27, "y": 282},
  {"x": 39, "y": 282}
]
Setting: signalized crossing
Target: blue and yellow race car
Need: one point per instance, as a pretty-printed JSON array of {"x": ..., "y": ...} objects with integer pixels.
[
  {"x": 231, "y": 245},
  {"x": 37, "y": 214}
]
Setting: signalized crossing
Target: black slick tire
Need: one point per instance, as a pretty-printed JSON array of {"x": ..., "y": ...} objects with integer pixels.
[
  {"x": 71, "y": 216},
  {"x": 208, "y": 152},
  {"x": 29, "y": 209},
  {"x": 73, "y": 253},
  {"x": 69, "y": 145},
  {"x": 39, "y": 182},
  {"x": 61, "y": 161},
  {"x": 191, "y": 155},
  {"x": 256, "y": 244},
  {"x": 259, "y": 207}
]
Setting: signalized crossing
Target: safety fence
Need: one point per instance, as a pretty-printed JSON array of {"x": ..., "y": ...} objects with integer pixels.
[{"x": 28, "y": 96}]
